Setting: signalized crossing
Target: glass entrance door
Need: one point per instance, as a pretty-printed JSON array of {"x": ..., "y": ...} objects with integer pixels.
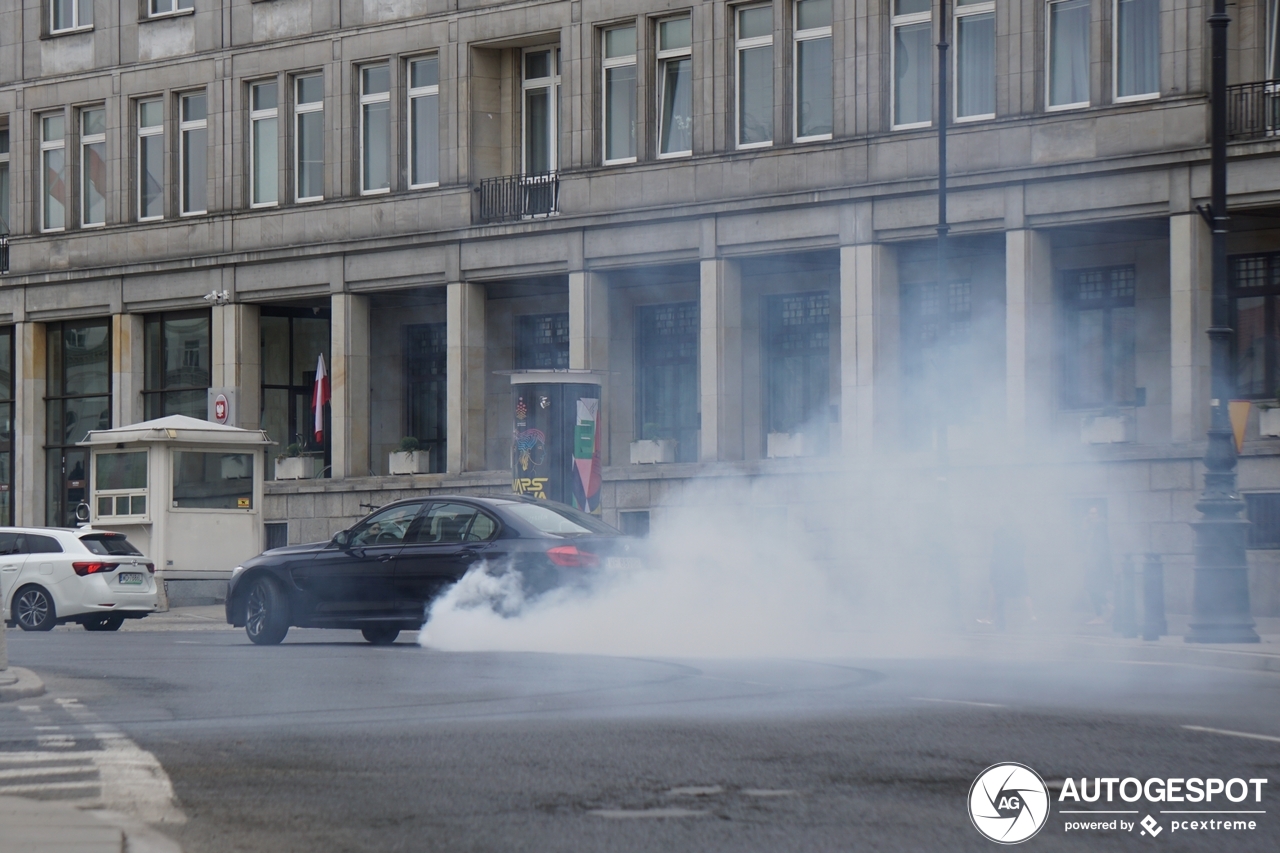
[{"x": 78, "y": 400}]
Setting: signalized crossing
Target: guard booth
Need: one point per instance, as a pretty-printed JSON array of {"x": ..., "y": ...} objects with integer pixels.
[
  {"x": 556, "y": 445},
  {"x": 187, "y": 493}
]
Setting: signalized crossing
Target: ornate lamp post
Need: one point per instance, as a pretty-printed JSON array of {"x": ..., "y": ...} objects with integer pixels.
[{"x": 1220, "y": 603}]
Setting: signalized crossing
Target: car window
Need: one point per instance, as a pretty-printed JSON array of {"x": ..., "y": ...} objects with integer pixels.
[
  {"x": 385, "y": 527},
  {"x": 482, "y": 528},
  {"x": 446, "y": 522},
  {"x": 8, "y": 543},
  {"x": 33, "y": 543},
  {"x": 110, "y": 544},
  {"x": 559, "y": 520}
]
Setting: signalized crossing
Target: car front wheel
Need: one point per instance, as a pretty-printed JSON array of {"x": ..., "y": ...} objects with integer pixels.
[
  {"x": 107, "y": 622},
  {"x": 33, "y": 610},
  {"x": 266, "y": 613},
  {"x": 380, "y": 636}
]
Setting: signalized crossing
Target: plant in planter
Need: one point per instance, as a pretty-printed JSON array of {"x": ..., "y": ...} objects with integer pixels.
[
  {"x": 650, "y": 449},
  {"x": 292, "y": 465},
  {"x": 409, "y": 459}
]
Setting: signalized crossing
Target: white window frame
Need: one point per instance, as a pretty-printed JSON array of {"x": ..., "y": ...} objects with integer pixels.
[
  {"x": 144, "y": 133},
  {"x": 895, "y": 22},
  {"x": 6, "y": 226},
  {"x": 184, "y": 126},
  {"x": 256, "y": 116},
  {"x": 958, "y": 13},
  {"x": 799, "y": 35},
  {"x": 552, "y": 85},
  {"x": 77, "y": 24},
  {"x": 85, "y": 141},
  {"x": 740, "y": 45},
  {"x": 300, "y": 109},
  {"x": 1116, "y": 97},
  {"x": 128, "y": 494},
  {"x": 1272, "y": 18},
  {"x": 608, "y": 63},
  {"x": 1048, "y": 62},
  {"x": 414, "y": 93},
  {"x": 661, "y": 56},
  {"x": 365, "y": 99},
  {"x": 169, "y": 8},
  {"x": 45, "y": 147}
]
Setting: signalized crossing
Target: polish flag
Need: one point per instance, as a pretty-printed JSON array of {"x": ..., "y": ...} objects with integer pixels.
[{"x": 319, "y": 397}]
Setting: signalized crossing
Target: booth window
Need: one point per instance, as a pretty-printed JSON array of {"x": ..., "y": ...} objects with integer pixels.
[
  {"x": 120, "y": 484},
  {"x": 177, "y": 364},
  {"x": 212, "y": 480}
]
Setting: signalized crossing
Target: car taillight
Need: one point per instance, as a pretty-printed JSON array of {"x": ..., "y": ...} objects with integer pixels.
[
  {"x": 151, "y": 567},
  {"x": 83, "y": 569},
  {"x": 569, "y": 555}
]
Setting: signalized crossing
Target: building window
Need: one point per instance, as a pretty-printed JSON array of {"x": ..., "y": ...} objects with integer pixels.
[
  {"x": 1263, "y": 511},
  {"x": 542, "y": 342},
  {"x": 797, "y": 355},
  {"x": 666, "y": 380},
  {"x": 424, "y": 122},
  {"x": 120, "y": 485},
  {"x": 754, "y": 68},
  {"x": 675, "y": 87},
  {"x": 210, "y": 480},
  {"x": 1137, "y": 49},
  {"x": 375, "y": 129},
  {"x": 541, "y": 85},
  {"x": 193, "y": 161},
  {"x": 1098, "y": 351},
  {"x": 170, "y": 7},
  {"x": 70, "y": 15},
  {"x": 937, "y": 366},
  {"x": 619, "y": 87},
  {"x": 813, "y": 70},
  {"x": 975, "y": 63},
  {"x": 264, "y": 152},
  {"x": 53, "y": 169},
  {"x": 150, "y": 160},
  {"x": 78, "y": 400},
  {"x": 93, "y": 166},
  {"x": 292, "y": 340},
  {"x": 912, "y": 63},
  {"x": 176, "y": 355},
  {"x": 6, "y": 425},
  {"x": 4, "y": 180},
  {"x": 1255, "y": 290},
  {"x": 308, "y": 153},
  {"x": 1068, "y": 53},
  {"x": 426, "y": 372},
  {"x": 1273, "y": 40}
]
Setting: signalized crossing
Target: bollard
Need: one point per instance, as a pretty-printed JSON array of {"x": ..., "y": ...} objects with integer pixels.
[
  {"x": 1126, "y": 618},
  {"x": 1153, "y": 622}
]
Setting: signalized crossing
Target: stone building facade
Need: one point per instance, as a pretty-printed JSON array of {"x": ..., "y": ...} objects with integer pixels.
[{"x": 726, "y": 209}]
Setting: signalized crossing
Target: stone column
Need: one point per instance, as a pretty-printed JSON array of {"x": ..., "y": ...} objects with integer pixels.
[
  {"x": 349, "y": 382},
  {"x": 588, "y": 321},
  {"x": 720, "y": 360},
  {"x": 1029, "y": 334},
  {"x": 465, "y": 307},
  {"x": 237, "y": 360},
  {"x": 869, "y": 335},
  {"x": 1190, "y": 307},
  {"x": 127, "y": 370},
  {"x": 30, "y": 363}
]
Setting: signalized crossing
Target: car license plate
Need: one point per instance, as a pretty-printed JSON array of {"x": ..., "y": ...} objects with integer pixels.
[
  {"x": 129, "y": 578},
  {"x": 623, "y": 564}
]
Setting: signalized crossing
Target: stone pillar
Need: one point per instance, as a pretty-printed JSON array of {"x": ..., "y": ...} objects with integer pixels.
[
  {"x": 237, "y": 360},
  {"x": 720, "y": 360},
  {"x": 30, "y": 363},
  {"x": 127, "y": 370},
  {"x": 869, "y": 332},
  {"x": 1029, "y": 333},
  {"x": 349, "y": 382},
  {"x": 1190, "y": 307},
  {"x": 465, "y": 306},
  {"x": 588, "y": 321}
]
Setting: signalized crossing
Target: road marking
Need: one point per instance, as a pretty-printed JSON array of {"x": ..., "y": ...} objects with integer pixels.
[
  {"x": 1229, "y": 733},
  {"x": 706, "y": 791},
  {"x": 769, "y": 792},
  {"x": 26, "y": 772},
  {"x": 55, "y": 741},
  {"x": 627, "y": 814},
  {"x": 45, "y": 786},
  {"x": 1201, "y": 811},
  {"x": 959, "y": 702},
  {"x": 1097, "y": 811}
]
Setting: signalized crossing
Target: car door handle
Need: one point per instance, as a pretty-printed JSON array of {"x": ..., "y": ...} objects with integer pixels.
[
  {"x": 382, "y": 558},
  {"x": 468, "y": 555}
]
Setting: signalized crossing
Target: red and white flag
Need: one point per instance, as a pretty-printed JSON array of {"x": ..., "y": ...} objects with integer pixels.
[{"x": 319, "y": 397}]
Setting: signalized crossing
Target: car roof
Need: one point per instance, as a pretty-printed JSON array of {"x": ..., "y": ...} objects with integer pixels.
[{"x": 61, "y": 532}]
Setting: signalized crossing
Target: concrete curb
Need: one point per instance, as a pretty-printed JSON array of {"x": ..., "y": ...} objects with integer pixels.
[
  {"x": 19, "y": 683},
  {"x": 138, "y": 836}
]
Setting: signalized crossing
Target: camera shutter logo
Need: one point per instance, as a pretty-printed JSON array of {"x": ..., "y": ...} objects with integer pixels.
[{"x": 1008, "y": 803}]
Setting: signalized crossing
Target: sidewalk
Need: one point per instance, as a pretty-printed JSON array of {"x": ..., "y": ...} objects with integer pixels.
[{"x": 36, "y": 826}]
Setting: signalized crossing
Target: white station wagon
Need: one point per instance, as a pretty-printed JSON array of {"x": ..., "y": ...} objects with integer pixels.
[{"x": 52, "y": 575}]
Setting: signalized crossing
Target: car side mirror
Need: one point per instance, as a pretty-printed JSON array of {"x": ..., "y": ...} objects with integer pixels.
[{"x": 342, "y": 538}]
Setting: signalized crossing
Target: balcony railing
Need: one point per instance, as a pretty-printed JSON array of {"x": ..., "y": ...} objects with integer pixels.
[
  {"x": 516, "y": 197},
  {"x": 1253, "y": 110}
]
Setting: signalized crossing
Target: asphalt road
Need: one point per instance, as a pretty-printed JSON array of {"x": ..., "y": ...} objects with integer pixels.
[{"x": 329, "y": 744}]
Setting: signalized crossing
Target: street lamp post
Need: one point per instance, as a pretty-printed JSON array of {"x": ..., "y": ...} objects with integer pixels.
[
  {"x": 940, "y": 424},
  {"x": 1220, "y": 603}
]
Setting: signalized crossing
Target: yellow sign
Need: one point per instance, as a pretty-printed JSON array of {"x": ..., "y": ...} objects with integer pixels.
[
  {"x": 535, "y": 486},
  {"x": 1239, "y": 412},
  {"x": 242, "y": 503}
]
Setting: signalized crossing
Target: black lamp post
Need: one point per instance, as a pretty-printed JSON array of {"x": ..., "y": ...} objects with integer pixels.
[
  {"x": 940, "y": 425},
  {"x": 1220, "y": 603}
]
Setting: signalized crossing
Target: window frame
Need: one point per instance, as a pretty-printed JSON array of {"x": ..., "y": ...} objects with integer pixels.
[
  {"x": 552, "y": 84},
  {"x": 366, "y": 99},
  {"x": 77, "y": 26},
  {"x": 46, "y": 147},
  {"x": 967, "y": 11},
  {"x": 1070, "y": 307},
  {"x": 896, "y": 22},
  {"x": 797, "y": 36},
  {"x": 740, "y": 46},
  {"x": 1271, "y": 308},
  {"x": 146, "y": 133},
  {"x": 607, "y": 64},
  {"x": 186, "y": 126},
  {"x": 661, "y": 58},
  {"x": 6, "y": 225},
  {"x": 154, "y": 410},
  {"x": 412, "y": 93},
  {"x": 178, "y": 7},
  {"x": 300, "y": 109},
  {"x": 85, "y": 141},
  {"x": 1116, "y": 97},
  {"x": 255, "y": 116},
  {"x": 1049, "y": 106},
  {"x": 113, "y": 495}
]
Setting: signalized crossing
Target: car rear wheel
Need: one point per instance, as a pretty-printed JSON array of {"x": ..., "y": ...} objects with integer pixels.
[
  {"x": 380, "y": 636},
  {"x": 106, "y": 622},
  {"x": 266, "y": 613},
  {"x": 33, "y": 610}
]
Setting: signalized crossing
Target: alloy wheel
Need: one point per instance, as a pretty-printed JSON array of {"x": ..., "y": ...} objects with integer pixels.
[{"x": 34, "y": 610}]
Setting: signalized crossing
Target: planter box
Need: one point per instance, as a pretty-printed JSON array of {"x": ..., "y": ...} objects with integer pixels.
[
  {"x": 650, "y": 451},
  {"x": 786, "y": 444},
  {"x": 409, "y": 462},
  {"x": 1269, "y": 422},
  {"x": 295, "y": 468},
  {"x": 1107, "y": 429}
]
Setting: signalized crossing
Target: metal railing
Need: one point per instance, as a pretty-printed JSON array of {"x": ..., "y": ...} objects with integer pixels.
[
  {"x": 1253, "y": 110},
  {"x": 515, "y": 197}
]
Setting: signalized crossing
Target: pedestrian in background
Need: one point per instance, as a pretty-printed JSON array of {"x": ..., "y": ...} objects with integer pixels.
[
  {"x": 1098, "y": 576},
  {"x": 1008, "y": 571}
]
